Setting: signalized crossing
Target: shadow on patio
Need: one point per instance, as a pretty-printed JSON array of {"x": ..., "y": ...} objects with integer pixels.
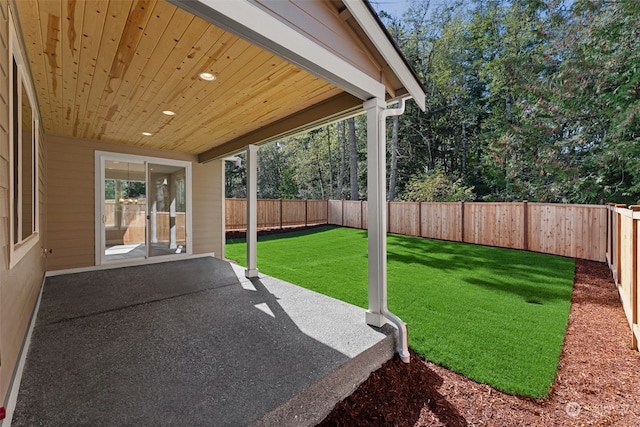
[{"x": 191, "y": 342}]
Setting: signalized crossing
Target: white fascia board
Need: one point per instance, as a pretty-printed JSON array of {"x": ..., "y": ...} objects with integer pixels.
[
  {"x": 370, "y": 26},
  {"x": 248, "y": 21}
]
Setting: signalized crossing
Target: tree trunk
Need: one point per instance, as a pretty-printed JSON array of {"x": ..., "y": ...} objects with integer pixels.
[
  {"x": 464, "y": 150},
  {"x": 320, "y": 175},
  {"x": 342, "y": 135},
  {"x": 330, "y": 192},
  {"x": 353, "y": 159},
  {"x": 393, "y": 176}
]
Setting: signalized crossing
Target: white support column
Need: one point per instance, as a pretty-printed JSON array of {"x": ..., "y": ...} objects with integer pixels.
[
  {"x": 377, "y": 212},
  {"x": 252, "y": 208}
]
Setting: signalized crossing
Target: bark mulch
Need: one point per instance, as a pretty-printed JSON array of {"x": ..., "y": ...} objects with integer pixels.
[{"x": 598, "y": 381}]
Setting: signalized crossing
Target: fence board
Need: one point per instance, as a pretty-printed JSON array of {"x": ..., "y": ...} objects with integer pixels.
[
  {"x": 569, "y": 230},
  {"x": 335, "y": 212},
  {"x": 293, "y": 213},
  {"x": 623, "y": 258},
  {"x": 441, "y": 221},
  {"x": 352, "y": 213},
  {"x": 317, "y": 211},
  {"x": 235, "y": 214},
  {"x": 404, "y": 218},
  {"x": 625, "y": 285}
]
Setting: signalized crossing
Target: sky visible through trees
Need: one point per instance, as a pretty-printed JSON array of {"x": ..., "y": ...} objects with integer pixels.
[{"x": 531, "y": 99}]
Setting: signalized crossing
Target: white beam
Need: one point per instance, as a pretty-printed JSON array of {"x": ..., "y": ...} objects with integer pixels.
[
  {"x": 252, "y": 211},
  {"x": 377, "y": 212},
  {"x": 247, "y": 20},
  {"x": 370, "y": 26}
]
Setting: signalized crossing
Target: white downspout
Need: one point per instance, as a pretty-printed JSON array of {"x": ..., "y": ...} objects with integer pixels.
[
  {"x": 403, "y": 341},
  {"x": 378, "y": 313}
]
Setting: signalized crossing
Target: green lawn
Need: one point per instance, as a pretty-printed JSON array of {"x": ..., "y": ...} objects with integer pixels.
[{"x": 495, "y": 315}]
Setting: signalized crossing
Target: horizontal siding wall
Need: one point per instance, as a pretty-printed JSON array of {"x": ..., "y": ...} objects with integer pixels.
[
  {"x": 208, "y": 208},
  {"x": 321, "y": 22},
  {"x": 71, "y": 191},
  {"x": 19, "y": 287}
]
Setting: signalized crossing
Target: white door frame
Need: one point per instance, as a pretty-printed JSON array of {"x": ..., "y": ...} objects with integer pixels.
[{"x": 100, "y": 158}]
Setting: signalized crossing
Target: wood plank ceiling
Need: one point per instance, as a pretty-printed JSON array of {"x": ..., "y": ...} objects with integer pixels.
[{"x": 106, "y": 70}]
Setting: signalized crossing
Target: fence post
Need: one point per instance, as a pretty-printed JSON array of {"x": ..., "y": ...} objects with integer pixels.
[
  {"x": 420, "y": 219},
  {"x": 618, "y": 243},
  {"x": 609, "y": 249},
  {"x": 462, "y": 221},
  {"x": 280, "y": 214},
  {"x": 306, "y": 212},
  {"x": 342, "y": 208},
  {"x": 634, "y": 277},
  {"x": 388, "y": 217},
  {"x": 525, "y": 229},
  {"x": 361, "y": 215}
]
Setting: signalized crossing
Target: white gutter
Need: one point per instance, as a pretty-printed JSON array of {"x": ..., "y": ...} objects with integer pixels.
[{"x": 403, "y": 341}]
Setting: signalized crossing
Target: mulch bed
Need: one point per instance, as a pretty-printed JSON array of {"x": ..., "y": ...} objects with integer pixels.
[{"x": 597, "y": 384}]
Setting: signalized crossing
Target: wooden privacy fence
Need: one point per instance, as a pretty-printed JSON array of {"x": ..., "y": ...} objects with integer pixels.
[
  {"x": 569, "y": 230},
  {"x": 577, "y": 231},
  {"x": 623, "y": 257},
  {"x": 276, "y": 213}
]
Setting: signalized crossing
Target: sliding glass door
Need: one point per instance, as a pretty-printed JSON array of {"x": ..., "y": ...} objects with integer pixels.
[
  {"x": 168, "y": 206},
  {"x": 125, "y": 210},
  {"x": 142, "y": 208}
]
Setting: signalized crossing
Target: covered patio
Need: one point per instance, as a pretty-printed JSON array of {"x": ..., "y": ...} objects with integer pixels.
[
  {"x": 191, "y": 342},
  {"x": 111, "y": 107}
]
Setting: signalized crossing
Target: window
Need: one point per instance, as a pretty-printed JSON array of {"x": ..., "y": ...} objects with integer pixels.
[{"x": 23, "y": 155}]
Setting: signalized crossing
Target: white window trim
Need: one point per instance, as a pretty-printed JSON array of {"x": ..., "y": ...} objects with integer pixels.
[
  {"x": 18, "y": 250},
  {"x": 100, "y": 158}
]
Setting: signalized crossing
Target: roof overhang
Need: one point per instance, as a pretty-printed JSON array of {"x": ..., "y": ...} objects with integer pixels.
[{"x": 106, "y": 70}]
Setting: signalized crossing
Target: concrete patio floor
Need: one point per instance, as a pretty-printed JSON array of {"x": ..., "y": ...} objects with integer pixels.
[{"x": 191, "y": 342}]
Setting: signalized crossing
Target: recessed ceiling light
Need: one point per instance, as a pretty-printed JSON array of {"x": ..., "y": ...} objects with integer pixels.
[
  {"x": 147, "y": 133},
  {"x": 207, "y": 76},
  {"x": 169, "y": 113}
]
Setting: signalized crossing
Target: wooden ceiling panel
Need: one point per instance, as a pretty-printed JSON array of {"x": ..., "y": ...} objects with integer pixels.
[{"x": 106, "y": 70}]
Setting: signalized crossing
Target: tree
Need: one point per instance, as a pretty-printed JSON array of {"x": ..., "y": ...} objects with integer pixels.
[
  {"x": 353, "y": 160},
  {"x": 435, "y": 186}
]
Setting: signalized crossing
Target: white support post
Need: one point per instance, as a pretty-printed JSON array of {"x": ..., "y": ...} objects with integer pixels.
[
  {"x": 377, "y": 212},
  {"x": 252, "y": 208}
]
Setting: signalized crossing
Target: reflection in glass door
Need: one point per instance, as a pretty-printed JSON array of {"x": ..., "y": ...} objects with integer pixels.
[
  {"x": 142, "y": 206},
  {"x": 125, "y": 210},
  {"x": 167, "y": 207}
]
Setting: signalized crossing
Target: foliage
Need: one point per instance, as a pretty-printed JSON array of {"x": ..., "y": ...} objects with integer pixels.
[
  {"x": 495, "y": 315},
  {"x": 128, "y": 189},
  {"x": 526, "y": 99},
  {"x": 435, "y": 186}
]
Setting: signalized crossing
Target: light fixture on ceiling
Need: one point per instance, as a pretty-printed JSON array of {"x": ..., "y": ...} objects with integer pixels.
[
  {"x": 207, "y": 76},
  {"x": 147, "y": 133},
  {"x": 169, "y": 113}
]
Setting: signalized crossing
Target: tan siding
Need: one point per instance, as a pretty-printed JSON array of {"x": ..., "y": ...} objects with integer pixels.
[
  {"x": 19, "y": 286},
  {"x": 321, "y": 23},
  {"x": 208, "y": 208},
  {"x": 71, "y": 206}
]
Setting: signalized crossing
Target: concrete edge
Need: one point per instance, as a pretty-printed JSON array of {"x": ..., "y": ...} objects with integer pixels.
[{"x": 316, "y": 401}]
